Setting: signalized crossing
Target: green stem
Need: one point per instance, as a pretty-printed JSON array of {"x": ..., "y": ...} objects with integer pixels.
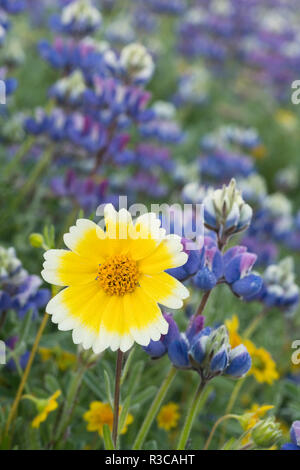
[
  {"x": 154, "y": 409},
  {"x": 252, "y": 327},
  {"x": 231, "y": 403},
  {"x": 27, "y": 144},
  {"x": 197, "y": 403},
  {"x": 203, "y": 303},
  {"x": 117, "y": 397},
  {"x": 36, "y": 172},
  {"x": 69, "y": 403},
  {"x": 217, "y": 423}
]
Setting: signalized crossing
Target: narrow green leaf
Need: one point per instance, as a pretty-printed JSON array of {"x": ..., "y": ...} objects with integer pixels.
[{"x": 108, "y": 443}]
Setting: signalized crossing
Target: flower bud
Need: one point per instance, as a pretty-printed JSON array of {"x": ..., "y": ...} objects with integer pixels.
[
  {"x": 83, "y": 12},
  {"x": 239, "y": 362},
  {"x": 137, "y": 62},
  {"x": 266, "y": 433},
  {"x": 225, "y": 210},
  {"x": 36, "y": 240}
]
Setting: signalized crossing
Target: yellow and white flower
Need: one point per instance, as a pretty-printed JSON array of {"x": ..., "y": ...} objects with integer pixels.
[{"x": 116, "y": 278}]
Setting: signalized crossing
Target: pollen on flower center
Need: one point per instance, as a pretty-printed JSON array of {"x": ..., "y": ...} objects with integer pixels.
[{"x": 119, "y": 275}]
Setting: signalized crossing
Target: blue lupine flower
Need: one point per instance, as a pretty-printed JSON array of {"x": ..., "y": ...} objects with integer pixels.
[
  {"x": 195, "y": 259},
  {"x": 295, "y": 438},
  {"x": 77, "y": 18},
  {"x": 19, "y": 290},
  {"x": 240, "y": 362},
  {"x": 237, "y": 266},
  {"x": 13, "y": 6},
  {"x": 222, "y": 166},
  {"x": 205, "y": 350},
  {"x": 11, "y": 343},
  {"x": 210, "y": 267},
  {"x": 279, "y": 289}
]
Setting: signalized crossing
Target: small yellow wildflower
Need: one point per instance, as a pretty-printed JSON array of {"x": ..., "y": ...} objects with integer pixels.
[
  {"x": 254, "y": 414},
  {"x": 259, "y": 151},
  {"x": 168, "y": 416},
  {"x": 64, "y": 359},
  {"x": 101, "y": 413},
  {"x": 44, "y": 407},
  {"x": 287, "y": 119},
  {"x": 233, "y": 326},
  {"x": 263, "y": 367}
]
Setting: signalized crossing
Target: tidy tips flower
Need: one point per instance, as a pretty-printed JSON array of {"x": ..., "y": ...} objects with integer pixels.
[{"x": 116, "y": 278}]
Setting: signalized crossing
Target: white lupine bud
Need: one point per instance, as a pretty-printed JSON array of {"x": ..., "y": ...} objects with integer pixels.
[
  {"x": 83, "y": 11},
  {"x": 137, "y": 62}
]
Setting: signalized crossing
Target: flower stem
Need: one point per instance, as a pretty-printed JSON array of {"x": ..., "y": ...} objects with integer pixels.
[
  {"x": 154, "y": 409},
  {"x": 117, "y": 397},
  {"x": 34, "y": 175},
  {"x": 231, "y": 403},
  {"x": 197, "y": 403},
  {"x": 2, "y": 319},
  {"x": 70, "y": 401},
  {"x": 14, "y": 407},
  {"x": 254, "y": 324},
  {"x": 203, "y": 303},
  {"x": 24, "y": 148},
  {"x": 219, "y": 421}
]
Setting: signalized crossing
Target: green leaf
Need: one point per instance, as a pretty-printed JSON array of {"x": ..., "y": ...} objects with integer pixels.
[
  {"x": 108, "y": 443},
  {"x": 91, "y": 383},
  {"x": 52, "y": 383},
  {"x": 145, "y": 395},
  {"x": 108, "y": 388}
]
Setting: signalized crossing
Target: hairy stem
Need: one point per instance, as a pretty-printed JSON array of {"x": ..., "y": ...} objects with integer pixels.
[
  {"x": 154, "y": 409},
  {"x": 15, "y": 404},
  {"x": 117, "y": 397},
  {"x": 197, "y": 403}
]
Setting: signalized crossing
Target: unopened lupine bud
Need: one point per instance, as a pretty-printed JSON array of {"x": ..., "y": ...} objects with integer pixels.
[
  {"x": 239, "y": 362},
  {"x": 81, "y": 11},
  {"x": 137, "y": 62},
  {"x": 226, "y": 212},
  {"x": 279, "y": 287},
  {"x": 71, "y": 87},
  {"x": 266, "y": 433}
]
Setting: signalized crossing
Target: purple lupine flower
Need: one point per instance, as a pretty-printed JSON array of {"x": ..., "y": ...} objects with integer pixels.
[
  {"x": 295, "y": 438},
  {"x": 19, "y": 290},
  {"x": 279, "y": 289},
  {"x": 205, "y": 350},
  {"x": 239, "y": 362},
  {"x": 266, "y": 250},
  {"x": 86, "y": 192},
  {"x": 210, "y": 267},
  {"x": 222, "y": 166},
  {"x": 191, "y": 267},
  {"x": 237, "y": 272},
  {"x": 79, "y": 17},
  {"x": 11, "y": 344}
]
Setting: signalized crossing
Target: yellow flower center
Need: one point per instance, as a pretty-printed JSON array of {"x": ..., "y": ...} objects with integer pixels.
[
  {"x": 258, "y": 363},
  {"x": 119, "y": 275}
]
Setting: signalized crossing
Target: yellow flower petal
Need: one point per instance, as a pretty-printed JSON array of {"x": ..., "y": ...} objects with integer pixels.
[
  {"x": 64, "y": 268},
  {"x": 164, "y": 289},
  {"x": 167, "y": 255}
]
